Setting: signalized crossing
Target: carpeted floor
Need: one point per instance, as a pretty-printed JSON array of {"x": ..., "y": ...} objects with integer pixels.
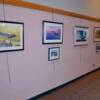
[
  {"x": 86, "y": 88},
  {"x": 89, "y": 92}
]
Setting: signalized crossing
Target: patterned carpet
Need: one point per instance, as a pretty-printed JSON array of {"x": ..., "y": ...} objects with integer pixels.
[{"x": 89, "y": 92}]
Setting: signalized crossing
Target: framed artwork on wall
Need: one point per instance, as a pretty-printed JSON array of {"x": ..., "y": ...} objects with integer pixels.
[
  {"x": 53, "y": 53},
  {"x": 52, "y": 32},
  {"x": 97, "y": 47},
  {"x": 11, "y": 36},
  {"x": 96, "y": 34},
  {"x": 81, "y": 35}
]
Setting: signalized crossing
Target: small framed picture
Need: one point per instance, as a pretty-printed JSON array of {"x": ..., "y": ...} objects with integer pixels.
[
  {"x": 52, "y": 32},
  {"x": 81, "y": 35},
  {"x": 96, "y": 34},
  {"x": 97, "y": 47},
  {"x": 11, "y": 36},
  {"x": 53, "y": 53}
]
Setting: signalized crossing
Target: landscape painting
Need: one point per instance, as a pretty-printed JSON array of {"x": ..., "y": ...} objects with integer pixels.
[
  {"x": 52, "y": 32},
  {"x": 97, "y": 47},
  {"x": 96, "y": 34},
  {"x": 11, "y": 36},
  {"x": 81, "y": 35},
  {"x": 53, "y": 53}
]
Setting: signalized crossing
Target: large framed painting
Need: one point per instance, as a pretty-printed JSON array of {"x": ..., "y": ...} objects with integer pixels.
[
  {"x": 11, "y": 36},
  {"x": 96, "y": 34},
  {"x": 52, "y": 32},
  {"x": 53, "y": 53},
  {"x": 81, "y": 35}
]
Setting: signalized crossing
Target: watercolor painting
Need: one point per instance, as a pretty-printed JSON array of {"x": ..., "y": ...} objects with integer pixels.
[
  {"x": 96, "y": 34},
  {"x": 52, "y": 32},
  {"x": 11, "y": 36},
  {"x": 53, "y": 53},
  {"x": 81, "y": 35}
]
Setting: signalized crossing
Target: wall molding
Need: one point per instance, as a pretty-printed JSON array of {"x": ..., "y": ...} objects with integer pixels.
[{"x": 29, "y": 5}]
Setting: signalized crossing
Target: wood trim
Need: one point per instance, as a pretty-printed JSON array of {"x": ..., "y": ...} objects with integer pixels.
[
  {"x": 24, "y": 4},
  {"x": 67, "y": 13}
]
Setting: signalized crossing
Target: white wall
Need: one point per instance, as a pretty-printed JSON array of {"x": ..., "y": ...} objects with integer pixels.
[
  {"x": 30, "y": 72},
  {"x": 86, "y": 7}
]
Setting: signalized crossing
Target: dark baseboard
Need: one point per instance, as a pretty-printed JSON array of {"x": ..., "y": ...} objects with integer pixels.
[{"x": 61, "y": 86}]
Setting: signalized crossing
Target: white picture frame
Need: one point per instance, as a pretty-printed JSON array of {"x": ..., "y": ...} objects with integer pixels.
[
  {"x": 53, "y": 53},
  {"x": 81, "y": 35},
  {"x": 96, "y": 34}
]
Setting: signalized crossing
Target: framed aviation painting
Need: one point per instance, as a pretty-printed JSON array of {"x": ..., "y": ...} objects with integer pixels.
[
  {"x": 52, "y": 32},
  {"x": 11, "y": 36},
  {"x": 81, "y": 35}
]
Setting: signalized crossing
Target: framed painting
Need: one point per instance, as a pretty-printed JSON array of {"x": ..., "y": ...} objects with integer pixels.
[
  {"x": 96, "y": 34},
  {"x": 53, "y": 53},
  {"x": 11, "y": 36},
  {"x": 97, "y": 47},
  {"x": 81, "y": 35},
  {"x": 52, "y": 32}
]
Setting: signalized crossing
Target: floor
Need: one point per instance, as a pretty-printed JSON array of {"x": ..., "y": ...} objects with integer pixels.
[{"x": 75, "y": 87}]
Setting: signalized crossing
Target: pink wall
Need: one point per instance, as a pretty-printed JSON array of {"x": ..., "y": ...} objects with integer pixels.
[{"x": 30, "y": 71}]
